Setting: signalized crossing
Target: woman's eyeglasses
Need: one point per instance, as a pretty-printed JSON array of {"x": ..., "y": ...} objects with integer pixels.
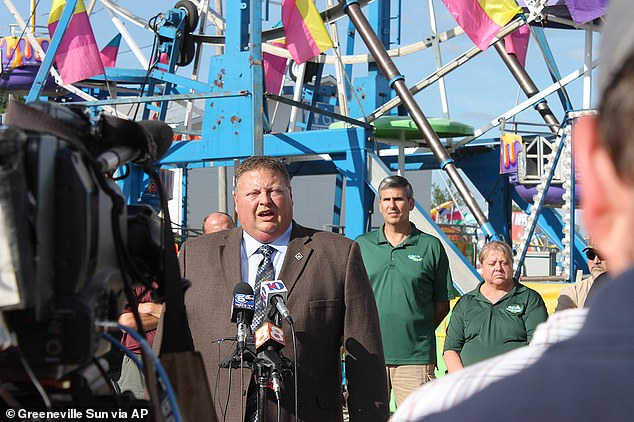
[{"x": 592, "y": 254}]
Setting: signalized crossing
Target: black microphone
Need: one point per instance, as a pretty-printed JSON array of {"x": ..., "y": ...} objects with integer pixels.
[
  {"x": 145, "y": 141},
  {"x": 242, "y": 309}
]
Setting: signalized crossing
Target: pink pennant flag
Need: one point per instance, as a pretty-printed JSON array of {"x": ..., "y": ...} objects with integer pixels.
[
  {"x": 110, "y": 51},
  {"x": 274, "y": 70},
  {"x": 77, "y": 56},
  {"x": 481, "y": 20},
  {"x": 306, "y": 35},
  {"x": 517, "y": 43}
]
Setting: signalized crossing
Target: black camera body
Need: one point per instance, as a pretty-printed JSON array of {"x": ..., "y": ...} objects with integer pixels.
[{"x": 67, "y": 226}]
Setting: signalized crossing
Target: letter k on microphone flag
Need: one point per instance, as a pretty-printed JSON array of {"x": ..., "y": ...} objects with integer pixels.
[
  {"x": 306, "y": 35},
  {"x": 77, "y": 56},
  {"x": 481, "y": 20}
]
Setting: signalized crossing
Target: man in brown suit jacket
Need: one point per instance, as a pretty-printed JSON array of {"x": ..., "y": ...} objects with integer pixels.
[{"x": 329, "y": 298}]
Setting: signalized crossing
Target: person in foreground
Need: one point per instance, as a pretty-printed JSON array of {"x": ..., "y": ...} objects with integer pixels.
[
  {"x": 589, "y": 376},
  {"x": 497, "y": 316},
  {"x": 329, "y": 297}
]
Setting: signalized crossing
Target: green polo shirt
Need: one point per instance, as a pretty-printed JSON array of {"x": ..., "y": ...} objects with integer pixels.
[
  {"x": 407, "y": 279},
  {"x": 479, "y": 329}
]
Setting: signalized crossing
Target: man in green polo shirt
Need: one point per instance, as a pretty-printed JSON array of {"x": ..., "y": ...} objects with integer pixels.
[{"x": 409, "y": 273}]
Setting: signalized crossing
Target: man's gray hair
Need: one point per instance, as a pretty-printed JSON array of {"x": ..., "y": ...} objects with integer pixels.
[{"x": 397, "y": 182}]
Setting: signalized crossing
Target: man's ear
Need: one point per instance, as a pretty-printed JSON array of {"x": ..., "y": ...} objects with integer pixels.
[{"x": 601, "y": 188}]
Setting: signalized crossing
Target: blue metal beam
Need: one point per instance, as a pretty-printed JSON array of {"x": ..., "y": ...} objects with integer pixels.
[
  {"x": 278, "y": 145},
  {"x": 45, "y": 67}
]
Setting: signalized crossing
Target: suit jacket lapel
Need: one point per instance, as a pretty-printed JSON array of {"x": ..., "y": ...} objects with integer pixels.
[
  {"x": 229, "y": 256},
  {"x": 297, "y": 256}
]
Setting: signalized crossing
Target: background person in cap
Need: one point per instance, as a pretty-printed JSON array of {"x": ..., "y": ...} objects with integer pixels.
[
  {"x": 589, "y": 376},
  {"x": 574, "y": 295}
]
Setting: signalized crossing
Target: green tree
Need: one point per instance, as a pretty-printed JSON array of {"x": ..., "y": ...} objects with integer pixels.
[
  {"x": 4, "y": 101},
  {"x": 440, "y": 195}
]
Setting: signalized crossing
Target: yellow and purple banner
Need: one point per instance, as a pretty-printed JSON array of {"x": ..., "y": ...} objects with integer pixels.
[
  {"x": 447, "y": 212},
  {"x": 481, "y": 20},
  {"x": 306, "y": 35},
  {"x": 77, "y": 56},
  {"x": 510, "y": 147}
]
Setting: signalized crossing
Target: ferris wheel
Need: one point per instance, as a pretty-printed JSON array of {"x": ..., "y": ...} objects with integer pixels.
[{"x": 207, "y": 62}]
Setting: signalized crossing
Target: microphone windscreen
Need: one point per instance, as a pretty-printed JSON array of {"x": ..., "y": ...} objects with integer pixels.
[
  {"x": 242, "y": 302},
  {"x": 268, "y": 289},
  {"x": 269, "y": 335},
  {"x": 160, "y": 134},
  {"x": 122, "y": 132},
  {"x": 242, "y": 288}
]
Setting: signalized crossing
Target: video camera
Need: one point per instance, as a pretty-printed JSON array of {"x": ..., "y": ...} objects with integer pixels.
[{"x": 69, "y": 245}]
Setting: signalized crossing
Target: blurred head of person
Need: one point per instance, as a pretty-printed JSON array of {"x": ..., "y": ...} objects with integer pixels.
[{"x": 604, "y": 144}]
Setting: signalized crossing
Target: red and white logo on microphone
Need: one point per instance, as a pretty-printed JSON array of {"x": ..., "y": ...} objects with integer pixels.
[{"x": 268, "y": 289}]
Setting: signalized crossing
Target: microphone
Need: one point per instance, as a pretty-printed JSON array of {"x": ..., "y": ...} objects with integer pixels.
[
  {"x": 269, "y": 340},
  {"x": 268, "y": 336},
  {"x": 274, "y": 294},
  {"x": 242, "y": 309},
  {"x": 145, "y": 141}
]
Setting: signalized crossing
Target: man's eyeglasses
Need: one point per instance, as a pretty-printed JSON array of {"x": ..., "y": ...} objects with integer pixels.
[{"x": 592, "y": 254}]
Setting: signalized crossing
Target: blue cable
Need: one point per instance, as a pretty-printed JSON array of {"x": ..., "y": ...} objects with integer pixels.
[
  {"x": 124, "y": 349},
  {"x": 159, "y": 368}
]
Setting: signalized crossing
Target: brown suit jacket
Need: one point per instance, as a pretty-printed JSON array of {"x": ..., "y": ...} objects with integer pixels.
[{"x": 331, "y": 302}]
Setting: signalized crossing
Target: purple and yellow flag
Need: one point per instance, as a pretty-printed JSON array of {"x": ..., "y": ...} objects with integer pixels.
[
  {"x": 77, "y": 56},
  {"x": 481, "y": 20},
  {"x": 306, "y": 35},
  {"x": 446, "y": 212},
  {"x": 109, "y": 52}
]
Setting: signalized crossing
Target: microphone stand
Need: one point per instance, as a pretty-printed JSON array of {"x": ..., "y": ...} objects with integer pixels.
[
  {"x": 242, "y": 357},
  {"x": 268, "y": 363}
]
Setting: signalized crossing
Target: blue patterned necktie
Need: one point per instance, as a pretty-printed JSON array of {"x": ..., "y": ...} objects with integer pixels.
[{"x": 266, "y": 271}]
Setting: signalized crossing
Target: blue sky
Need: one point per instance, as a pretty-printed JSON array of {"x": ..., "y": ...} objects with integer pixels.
[{"x": 477, "y": 92}]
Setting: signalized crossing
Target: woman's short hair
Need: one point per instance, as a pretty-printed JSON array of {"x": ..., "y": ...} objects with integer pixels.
[{"x": 495, "y": 245}]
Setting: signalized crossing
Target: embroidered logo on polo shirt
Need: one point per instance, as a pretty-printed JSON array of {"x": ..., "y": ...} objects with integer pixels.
[
  {"x": 415, "y": 258},
  {"x": 515, "y": 309}
]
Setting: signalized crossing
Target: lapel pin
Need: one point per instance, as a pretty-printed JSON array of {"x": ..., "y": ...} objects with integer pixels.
[{"x": 298, "y": 256}]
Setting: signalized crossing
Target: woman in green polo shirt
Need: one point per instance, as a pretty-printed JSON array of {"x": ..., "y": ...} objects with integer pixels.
[{"x": 499, "y": 315}]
